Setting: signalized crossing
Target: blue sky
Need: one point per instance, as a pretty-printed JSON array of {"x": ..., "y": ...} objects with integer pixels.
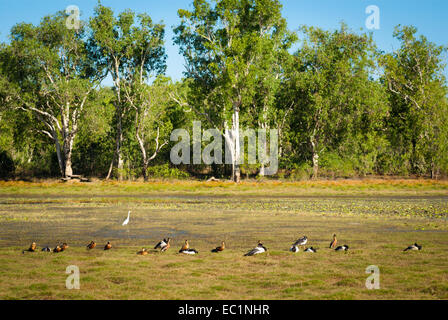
[{"x": 430, "y": 17}]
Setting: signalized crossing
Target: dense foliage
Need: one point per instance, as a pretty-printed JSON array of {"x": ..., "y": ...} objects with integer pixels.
[{"x": 342, "y": 107}]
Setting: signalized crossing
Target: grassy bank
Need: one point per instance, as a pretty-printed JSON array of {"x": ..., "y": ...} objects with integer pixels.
[
  {"x": 377, "y": 219},
  {"x": 281, "y": 188}
]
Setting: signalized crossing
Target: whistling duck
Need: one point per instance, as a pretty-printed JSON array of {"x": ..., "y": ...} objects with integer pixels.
[
  {"x": 186, "y": 249},
  {"x": 32, "y": 248},
  {"x": 220, "y": 248},
  {"x": 414, "y": 247},
  {"x": 257, "y": 250},
  {"x": 333, "y": 242},
  {"x": 108, "y": 246},
  {"x": 342, "y": 248},
  {"x": 143, "y": 252},
  {"x": 186, "y": 246},
  {"x": 294, "y": 249},
  {"x": 46, "y": 249},
  {"x": 64, "y": 246},
  {"x": 91, "y": 245},
  {"x": 310, "y": 249},
  {"x": 57, "y": 249}
]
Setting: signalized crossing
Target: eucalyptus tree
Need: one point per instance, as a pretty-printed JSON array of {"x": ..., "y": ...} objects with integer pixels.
[
  {"x": 329, "y": 80},
  {"x": 413, "y": 76},
  {"x": 150, "y": 103},
  {"x": 130, "y": 49},
  {"x": 265, "y": 109},
  {"x": 224, "y": 45},
  {"x": 49, "y": 76}
]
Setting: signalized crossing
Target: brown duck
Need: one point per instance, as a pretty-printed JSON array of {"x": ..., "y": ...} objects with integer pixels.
[
  {"x": 334, "y": 242},
  {"x": 108, "y": 246},
  {"x": 91, "y": 245},
  {"x": 32, "y": 248},
  {"x": 220, "y": 248},
  {"x": 143, "y": 252},
  {"x": 186, "y": 246}
]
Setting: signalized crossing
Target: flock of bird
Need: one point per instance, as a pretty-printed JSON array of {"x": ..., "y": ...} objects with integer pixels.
[{"x": 164, "y": 245}]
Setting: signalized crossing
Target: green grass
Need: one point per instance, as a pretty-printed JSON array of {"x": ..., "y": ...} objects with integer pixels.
[
  {"x": 410, "y": 187},
  {"x": 377, "y": 227}
]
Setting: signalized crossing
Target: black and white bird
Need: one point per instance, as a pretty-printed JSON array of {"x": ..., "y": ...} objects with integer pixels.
[
  {"x": 165, "y": 246},
  {"x": 414, "y": 247},
  {"x": 301, "y": 242},
  {"x": 257, "y": 250},
  {"x": 294, "y": 249},
  {"x": 342, "y": 248},
  {"x": 296, "y": 245},
  {"x": 46, "y": 249},
  {"x": 310, "y": 249},
  {"x": 189, "y": 251},
  {"x": 161, "y": 244}
]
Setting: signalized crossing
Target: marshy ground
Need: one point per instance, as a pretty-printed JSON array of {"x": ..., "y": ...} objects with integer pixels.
[{"x": 376, "y": 218}]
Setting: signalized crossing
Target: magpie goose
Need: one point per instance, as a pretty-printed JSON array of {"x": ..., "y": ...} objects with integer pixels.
[{"x": 257, "y": 250}]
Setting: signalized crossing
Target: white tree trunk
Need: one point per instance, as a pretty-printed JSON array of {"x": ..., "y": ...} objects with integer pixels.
[{"x": 315, "y": 157}]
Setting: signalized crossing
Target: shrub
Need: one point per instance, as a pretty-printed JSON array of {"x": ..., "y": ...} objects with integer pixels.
[
  {"x": 332, "y": 165},
  {"x": 303, "y": 172},
  {"x": 165, "y": 171}
]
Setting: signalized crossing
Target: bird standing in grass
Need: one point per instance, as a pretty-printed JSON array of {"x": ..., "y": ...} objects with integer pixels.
[
  {"x": 334, "y": 242},
  {"x": 32, "y": 248},
  {"x": 108, "y": 246},
  {"x": 310, "y": 249},
  {"x": 57, "y": 249},
  {"x": 342, "y": 248},
  {"x": 91, "y": 245},
  {"x": 125, "y": 222},
  {"x": 257, "y": 250},
  {"x": 220, "y": 248},
  {"x": 64, "y": 246},
  {"x": 46, "y": 249},
  {"x": 414, "y": 247}
]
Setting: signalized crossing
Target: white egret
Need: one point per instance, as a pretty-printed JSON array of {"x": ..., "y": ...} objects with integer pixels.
[{"x": 125, "y": 222}]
